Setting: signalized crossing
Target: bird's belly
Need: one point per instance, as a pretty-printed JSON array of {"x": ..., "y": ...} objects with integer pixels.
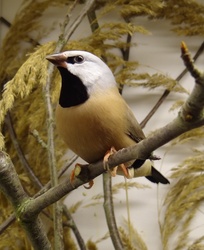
[{"x": 89, "y": 136}]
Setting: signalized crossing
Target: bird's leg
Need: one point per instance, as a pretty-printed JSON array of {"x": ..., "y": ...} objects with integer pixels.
[
  {"x": 76, "y": 172},
  {"x": 113, "y": 172}
]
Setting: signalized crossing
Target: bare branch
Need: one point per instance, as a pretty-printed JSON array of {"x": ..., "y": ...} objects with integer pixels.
[
  {"x": 7, "y": 223},
  {"x": 91, "y": 14},
  {"x": 125, "y": 53},
  {"x": 72, "y": 225},
  {"x": 79, "y": 18},
  {"x": 74, "y": 228},
  {"x": 20, "y": 153},
  {"x": 12, "y": 188}
]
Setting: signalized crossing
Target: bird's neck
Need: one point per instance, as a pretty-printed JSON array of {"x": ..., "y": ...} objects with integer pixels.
[{"x": 73, "y": 92}]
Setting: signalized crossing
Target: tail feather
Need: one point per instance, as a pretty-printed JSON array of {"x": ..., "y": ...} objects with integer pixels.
[
  {"x": 157, "y": 177},
  {"x": 153, "y": 175}
]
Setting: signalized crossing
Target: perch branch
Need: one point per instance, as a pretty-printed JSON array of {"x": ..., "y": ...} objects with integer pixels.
[
  {"x": 189, "y": 117},
  {"x": 142, "y": 150}
]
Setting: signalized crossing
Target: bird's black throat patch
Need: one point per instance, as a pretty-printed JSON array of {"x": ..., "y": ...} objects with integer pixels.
[{"x": 73, "y": 91}]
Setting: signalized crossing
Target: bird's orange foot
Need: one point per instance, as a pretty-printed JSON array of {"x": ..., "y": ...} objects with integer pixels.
[
  {"x": 76, "y": 172},
  {"x": 110, "y": 152},
  {"x": 113, "y": 172}
]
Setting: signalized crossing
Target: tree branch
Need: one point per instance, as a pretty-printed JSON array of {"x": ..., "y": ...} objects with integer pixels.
[
  {"x": 79, "y": 18},
  {"x": 125, "y": 53},
  {"x": 88, "y": 172},
  {"x": 10, "y": 185},
  {"x": 71, "y": 222}
]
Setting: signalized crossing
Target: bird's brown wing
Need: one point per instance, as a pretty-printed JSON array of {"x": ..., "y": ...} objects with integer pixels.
[{"x": 134, "y": 130}]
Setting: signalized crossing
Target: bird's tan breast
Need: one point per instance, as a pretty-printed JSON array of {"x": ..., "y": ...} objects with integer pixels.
[{"x": 92, "y": 128}]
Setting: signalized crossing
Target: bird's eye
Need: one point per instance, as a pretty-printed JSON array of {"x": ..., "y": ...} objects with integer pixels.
[{"x": 78, "y": 59}]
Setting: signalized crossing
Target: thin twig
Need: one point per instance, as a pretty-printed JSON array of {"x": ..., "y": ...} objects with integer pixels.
[
  {"x": 78, "y": 20},
  {"x": 167, "y": 92},
  {"x": 125, "y": 53},
  {"x": 91, "y": 14},
  {"x": 60, "y": 173},
  {"x": 8, "y": 24},
  {"x": 7, "y": 223},
  {"x": 36, "y": 135},
  {"x": 20, "y": 153},
  {"x": 5, "y": 21},
  {"x": 189, "y": 62},
  {"x": 52, "y": 163},
  {"x": 74, "y": 228},
  {"x": 93, "y": 22},
  {"x": 51, "y": 152},
  {"x": 57, "y": 216},
  {"x": 109, "y": 212}
]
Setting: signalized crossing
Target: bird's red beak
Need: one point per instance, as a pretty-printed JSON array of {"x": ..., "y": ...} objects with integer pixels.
[{"x": 58, "y": 59}]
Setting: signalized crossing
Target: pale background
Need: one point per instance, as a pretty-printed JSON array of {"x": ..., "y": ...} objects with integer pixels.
[{"x": 159, "y": 53}]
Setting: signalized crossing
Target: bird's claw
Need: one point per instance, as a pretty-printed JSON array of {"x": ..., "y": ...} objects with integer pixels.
[
  {"x": 113, "y": 172},
  {"x": 90, "y": 184},
  {"x": 110, "y": 152}
]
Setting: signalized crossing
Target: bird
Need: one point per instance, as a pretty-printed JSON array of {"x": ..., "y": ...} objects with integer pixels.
[{"x": 92, "y": 117}]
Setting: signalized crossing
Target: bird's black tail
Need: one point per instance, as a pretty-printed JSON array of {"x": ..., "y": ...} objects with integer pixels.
[{"x": 157, "y": 177}]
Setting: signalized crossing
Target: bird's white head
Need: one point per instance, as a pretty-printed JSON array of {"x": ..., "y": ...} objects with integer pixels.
[{"x": 90, "y": 69}]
